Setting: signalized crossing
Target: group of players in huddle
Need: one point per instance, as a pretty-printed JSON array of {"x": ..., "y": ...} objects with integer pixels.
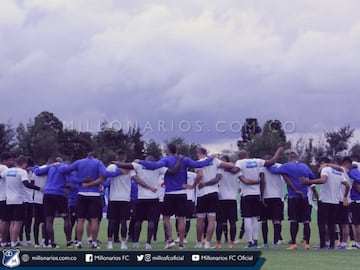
[{"x": 178, "y": 186}]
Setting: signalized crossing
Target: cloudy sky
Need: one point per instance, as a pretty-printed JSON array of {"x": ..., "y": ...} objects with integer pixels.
[{"x": 190, "y": 68}]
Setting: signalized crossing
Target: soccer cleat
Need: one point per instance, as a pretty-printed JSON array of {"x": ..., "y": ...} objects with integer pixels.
[
  {"x": 207, "y": 245},
  {"x": 29, "y": 244},
  {"x": 181, "y": 246},
  {"x": 177, "y": 240},
  {"x": 136, "y": 245},
  {"x": 148, "y": 246},
  {"x": 54, "y": 245},
  {"x": 274, "y": 246},
  {"x": 217, "y": 245},
  {"x": 69, "y": 244},
  {"x": 109, "y": 245},
  {"x": 307, "y": 246},
  {"x": 280, "y": 242},
  {"x": 170, "y": 245},
  {"x": 198, "y": 245},
  {"x": 265, "y": 246},
  {"x": 123, "y": 246},
  {"x": 95, "y": 246},
  {"x": 185, "y": 241},
  {"x": 231, "y": 245},
  {"x": 37, "y": 246},
  {"x": 238, "y": 242},
  {"x": 292, "y": 247},
  {"x": 78, "y": 245}
]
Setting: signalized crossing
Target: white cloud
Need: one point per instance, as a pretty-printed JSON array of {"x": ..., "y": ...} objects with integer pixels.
[{"x": 207, "y": 60}]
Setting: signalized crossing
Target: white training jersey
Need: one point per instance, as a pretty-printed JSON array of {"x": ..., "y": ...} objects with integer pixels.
[
  {"x": 120, "y": 186},
  {"x": 310, "y": 195},
  {"x": 14, "y": 178},
  {"x": 228, "y": 186},
  {"x": 161, "y": 189},
  {"x": 39, "y": 181},
  {"x": 28, "y": 192},
  {"x": 2, "y": 183},
  {"x": 209, "y": 173},
  {"x": 150, "y": 177},
  {"x": 342, "y": 190},
  {"x": 274, "y": 184},
  {"x": 330, "y": 191},
  {"x": 250, "y": 168},
  {"x": 190, "y": 193}
]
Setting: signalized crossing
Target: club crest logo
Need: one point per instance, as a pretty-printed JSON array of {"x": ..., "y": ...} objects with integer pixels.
[{"x": 11, "y": 257}]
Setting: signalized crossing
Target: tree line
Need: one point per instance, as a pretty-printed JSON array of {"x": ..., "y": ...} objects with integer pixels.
[{"x": 45, "y": 136}]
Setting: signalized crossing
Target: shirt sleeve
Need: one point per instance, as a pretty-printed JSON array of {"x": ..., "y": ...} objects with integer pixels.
[
  {"x": 150, "y": 165},
  {"x": 260, "y": 162},
  {"x": 355, "y": 175},
  {"x": 42, "y": 171},
  {"x": 277, "y": 170},
  {"x": 197, "y": 164},
  {"x": 24, "y": 176},
  {"x": 325, "y": 172}
]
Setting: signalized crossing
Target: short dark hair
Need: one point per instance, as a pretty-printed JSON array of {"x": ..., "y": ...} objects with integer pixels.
[
  {"x": 324, "y": 160},
  {"x": 201, "y": 150},
  {"x": 30, "y": 161},
  {"x": 172, "y": 148},
  {"x": 93, "y": 154},
  {"x": 347, "y": 159},
  {"x": 336, "y": 160},
  {"x": 5, "y": 156},
  {"x": 21, "y": 160},
  {"x": 226, "y": 158},
  {"x": 121, "y": 154},
  {"x": 355, "y": 157}
]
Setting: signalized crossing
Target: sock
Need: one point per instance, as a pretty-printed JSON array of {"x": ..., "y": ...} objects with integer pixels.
[
  {"x": 255, "y": 227},
  {"x": 265, "y": 230},
  {"x": 248, "y": 229},
  {"x": 277, "y": 232},
  {"x": 294, "y": 228}
]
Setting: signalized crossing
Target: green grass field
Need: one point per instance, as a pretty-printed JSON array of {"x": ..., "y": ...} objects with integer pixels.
[{"x": 279, "y": 258}]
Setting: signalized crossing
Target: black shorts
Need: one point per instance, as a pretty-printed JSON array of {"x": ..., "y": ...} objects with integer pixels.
[
  {"x": 355, "y": 210},
  {"x": 29, "y": 210},
  {"x": 89, "y": 207},
  {"x": 39, "y": 213},
  {"x": 342, "y": 216},
  {"x": 327, "y": 213},
  {"x": 227, "y": 211},
  {"x": 299, "y": 209},
  {"x": 2, "y": 209},
  {"x": 190, "y": 209},
  {"x": 174, "y": 204},
  {"x": 118, "y": 210},
  {"x": 147, "y": 209},
  {"x": 208, "y": 203},
  {"x": 14, "y": 212},
  {"x": 250, "y": 206},
  {"x": 53, "y": 203},
  {"x": 274, "y": 209}
]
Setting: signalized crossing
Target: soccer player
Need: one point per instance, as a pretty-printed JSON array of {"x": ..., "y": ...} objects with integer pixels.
[
  {"x": 6, "y": 161},
  {"x": 89, "y": 200},
  {"x": 250, "y": 187},
  {"x": 175, "y": 192},
  {"x": 228, "y": 194},
  {"x": 55, "y": 199},
  {"x": 133, "y": 199},
  {"x": 119, "y": 204},
  {"x": 28, "y": 205},
  {"x": 207, "y": 193},
  {"x": 272, "y": 203},
  {"x": 16, "y": 179},
  {"x": 331, "y": 181},
  {"x": 39, "y": 213},
  {"x": 354, "y": 176},
  {"x": 298, "y": 204}
]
